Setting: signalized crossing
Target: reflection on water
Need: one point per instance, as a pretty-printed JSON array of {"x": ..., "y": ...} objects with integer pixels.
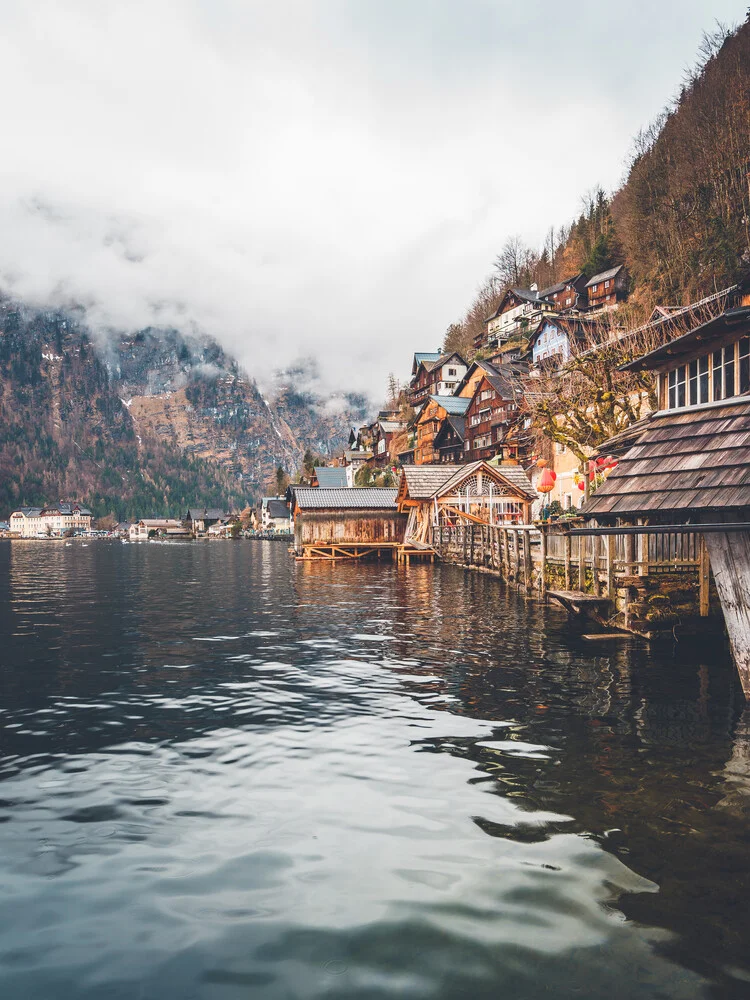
[{"x": 226, "y": 775}]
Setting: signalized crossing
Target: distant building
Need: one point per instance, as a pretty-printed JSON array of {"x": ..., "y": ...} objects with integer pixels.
[
  {"x": 275, "y": 515},
  {"x": 150, "y": 527},
  {"x": 52, "y": 521},
  {"x": 435, "y": 411},
  {"x": 435, "y": 375},
  {"x": 518, "y": 312},
  {"x": 200, "y": 520},
  {"x": 609, "y": 288}
]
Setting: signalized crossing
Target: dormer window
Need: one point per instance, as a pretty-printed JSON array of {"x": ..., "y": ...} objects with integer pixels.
[{"x": 594, "y": 288}]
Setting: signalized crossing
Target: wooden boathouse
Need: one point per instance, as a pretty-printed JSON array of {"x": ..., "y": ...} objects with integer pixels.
[
  {"x": 444, "y": 495},
  {"x": 346, "y": 523}
]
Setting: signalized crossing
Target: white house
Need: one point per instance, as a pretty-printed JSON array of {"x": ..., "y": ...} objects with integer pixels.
[{"x": 275, "y": 515}]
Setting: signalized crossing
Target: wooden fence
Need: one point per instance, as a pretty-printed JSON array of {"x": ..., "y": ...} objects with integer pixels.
[{"x": 540, "y": 558}]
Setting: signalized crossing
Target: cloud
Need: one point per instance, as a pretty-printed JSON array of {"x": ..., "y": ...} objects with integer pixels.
[{"x": 329, "y": 178}]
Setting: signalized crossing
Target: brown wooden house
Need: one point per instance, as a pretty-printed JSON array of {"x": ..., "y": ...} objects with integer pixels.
[
  {"x": 488, "y": 415},
  {"x": 449, "y": 440},
  {"x": 429, "y": 423},
  {"x": 609, "y": 288}
]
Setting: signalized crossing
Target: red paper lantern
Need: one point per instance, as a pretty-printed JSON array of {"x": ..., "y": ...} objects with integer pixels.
[
  {"x": 582, "y": 486},
  {"x": 546, "y": 481}
]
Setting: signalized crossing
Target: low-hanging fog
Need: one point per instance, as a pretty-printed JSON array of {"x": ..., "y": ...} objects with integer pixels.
[{"x": 311, "y": 177}]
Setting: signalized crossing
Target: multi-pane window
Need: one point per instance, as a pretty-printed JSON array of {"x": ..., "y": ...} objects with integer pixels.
[
  {"x": 743, "y": 355},
  {"x": 698, "y": 381},
  {"x": 676, "y": 387},
  {"x": 722, "y": 374}
]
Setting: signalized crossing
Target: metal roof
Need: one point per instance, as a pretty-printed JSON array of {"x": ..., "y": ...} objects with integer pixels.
[
  {"x": 456, "y": 405},
  {"x": 330, "y": 475},
  {"x": 685, "y": 460},
  {"x": 277, "y": 508},
  {"x": 359, "y": 497},
  {"x": 426, "y": 356},
  {"x": 28, "y": 511},
  {"x": 205, "y": 514},
  {"x": 611, "y": 273}
]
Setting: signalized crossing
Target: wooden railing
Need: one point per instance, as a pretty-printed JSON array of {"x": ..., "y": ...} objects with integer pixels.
[{"x": 548, "y": 556}]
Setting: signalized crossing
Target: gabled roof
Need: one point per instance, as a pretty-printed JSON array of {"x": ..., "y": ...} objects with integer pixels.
[
  {"x": 455, "y": 405},
  {"x": 501, "y": 385},
  {"x": 444, "y": 359},
  {"x": 424, "y": 358},
  {"x": 359, "y": 497},
  {"x": 419, "y": 482},
  {"x": 685, "y": 462},
  {"x": 28, "y": 511},
  {"x": 513, "y": 475},
  {"x": 330, "y": 476},
  {"x": 611, "y": 273},
  {"x": 205, "y": 514},
  {"x": 391, "y": 426},
  {"x": 278, "y": 508},
  {"x": 458, "y": 424}
]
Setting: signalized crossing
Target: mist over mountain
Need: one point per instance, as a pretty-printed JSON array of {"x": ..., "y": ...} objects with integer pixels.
[{"x": 151, "y": 421}]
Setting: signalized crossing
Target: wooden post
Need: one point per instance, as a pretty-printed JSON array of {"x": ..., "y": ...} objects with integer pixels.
[
  {"x": 595, "y": 565},
  {"x": 506, "y": 555},
  {"x": 703, "y": 577},
  {"x": 567, "y": 560},
  {"x": 517, "y": 560},
  {"x": 611, "y": 556},
  {"x": 730, "y": 562},
  {"x": 527, "y": 569},
  {"x": 543, "y": 568},
  {"x": 582, "y": 563}
]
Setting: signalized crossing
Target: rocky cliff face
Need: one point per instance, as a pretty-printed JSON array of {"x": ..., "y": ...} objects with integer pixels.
[{"x": 148, "y": 422}]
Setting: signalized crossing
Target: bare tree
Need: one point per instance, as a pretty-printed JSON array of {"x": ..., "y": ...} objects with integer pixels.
[{"x": 587, "y": 399}]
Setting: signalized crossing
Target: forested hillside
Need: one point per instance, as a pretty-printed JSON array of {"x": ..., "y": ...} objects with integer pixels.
[
  {"x": 143, "y": 424},
  {"x": 680, "y": 221}
]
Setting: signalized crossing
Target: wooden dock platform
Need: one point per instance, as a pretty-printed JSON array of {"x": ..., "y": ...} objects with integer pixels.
[{"x": 576, "y": 602}]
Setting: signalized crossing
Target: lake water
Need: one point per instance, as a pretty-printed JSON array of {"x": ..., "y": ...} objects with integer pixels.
[{"x": 227, "y": 775}]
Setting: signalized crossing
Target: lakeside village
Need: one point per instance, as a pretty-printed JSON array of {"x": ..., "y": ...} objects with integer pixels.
[{"x": 603, "y": 465}]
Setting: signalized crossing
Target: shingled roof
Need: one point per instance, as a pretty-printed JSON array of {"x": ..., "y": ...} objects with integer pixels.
[
  {"x": 684, "y": 461},
  {"x": 361, "y": 497},
  {"x": 512, "y": 474},
  {"x": 423, "y": 480},
  {"x": 426, "y": 481}
]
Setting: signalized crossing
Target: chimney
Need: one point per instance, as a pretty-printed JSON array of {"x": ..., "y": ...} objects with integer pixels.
[{"x": 534, "y": 287}]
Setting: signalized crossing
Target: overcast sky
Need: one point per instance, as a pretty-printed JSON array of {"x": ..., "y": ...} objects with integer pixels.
[{"x": 326, "y": 177}]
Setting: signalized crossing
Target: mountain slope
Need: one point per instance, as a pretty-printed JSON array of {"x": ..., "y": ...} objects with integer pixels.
[{"x": 142, "y": 424}]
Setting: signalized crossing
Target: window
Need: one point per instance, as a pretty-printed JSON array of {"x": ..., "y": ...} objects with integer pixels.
[
  {"x": 606, "y": 284},
  {"x": 744, "y": 364},
  {"x": 451, "y": 371},
  {"x": 560, "y": 448},
  {"x": 676, "y": 387},
  {"x": 568, "y": 301},
  {"x": 594, "y": 288},
  {"x": 698, "y": 381},
  {"x": 723, "y": 365}
]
